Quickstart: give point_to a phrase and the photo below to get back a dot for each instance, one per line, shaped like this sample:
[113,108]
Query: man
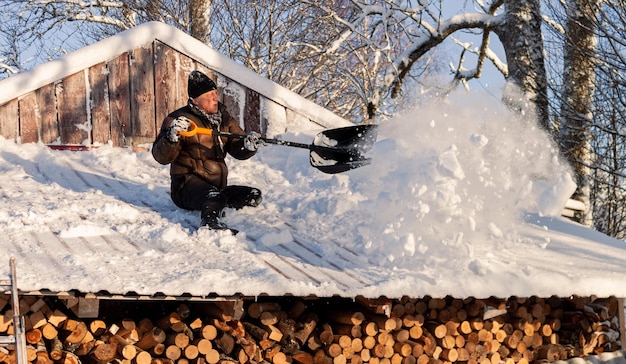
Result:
[197,167]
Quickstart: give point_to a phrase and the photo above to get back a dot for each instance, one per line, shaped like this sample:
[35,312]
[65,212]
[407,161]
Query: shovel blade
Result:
[339,150]
[332,168]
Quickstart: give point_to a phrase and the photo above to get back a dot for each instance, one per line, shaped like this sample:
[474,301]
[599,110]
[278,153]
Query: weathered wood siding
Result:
[122,101]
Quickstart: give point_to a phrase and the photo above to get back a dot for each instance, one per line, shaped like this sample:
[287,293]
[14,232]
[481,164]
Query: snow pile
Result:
[447,176]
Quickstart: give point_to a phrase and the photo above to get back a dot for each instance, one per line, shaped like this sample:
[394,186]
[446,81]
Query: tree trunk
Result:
[577,97]
[199,15]
[523,45]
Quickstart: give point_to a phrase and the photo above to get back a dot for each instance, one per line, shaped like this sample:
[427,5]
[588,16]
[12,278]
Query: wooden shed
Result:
[120,89]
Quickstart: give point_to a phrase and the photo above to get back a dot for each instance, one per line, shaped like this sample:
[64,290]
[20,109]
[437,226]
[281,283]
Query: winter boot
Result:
[254,197]
[241,196]
[212,208]
[213,223]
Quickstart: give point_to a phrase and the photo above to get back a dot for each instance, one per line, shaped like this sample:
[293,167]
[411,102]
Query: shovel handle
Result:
[194,129]
[348,154]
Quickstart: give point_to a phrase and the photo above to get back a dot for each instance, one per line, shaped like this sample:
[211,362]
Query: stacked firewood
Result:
[325,331]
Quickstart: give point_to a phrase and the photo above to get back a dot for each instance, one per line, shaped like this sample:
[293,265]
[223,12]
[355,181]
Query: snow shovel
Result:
[332,151]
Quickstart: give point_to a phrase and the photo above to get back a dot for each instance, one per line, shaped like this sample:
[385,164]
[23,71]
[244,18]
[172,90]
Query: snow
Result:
[462,198]
[617,357]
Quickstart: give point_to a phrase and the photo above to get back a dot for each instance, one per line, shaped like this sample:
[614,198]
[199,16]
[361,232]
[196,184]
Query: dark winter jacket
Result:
[202,155]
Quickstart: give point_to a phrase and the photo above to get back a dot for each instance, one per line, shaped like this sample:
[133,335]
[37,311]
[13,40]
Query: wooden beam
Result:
[621,321]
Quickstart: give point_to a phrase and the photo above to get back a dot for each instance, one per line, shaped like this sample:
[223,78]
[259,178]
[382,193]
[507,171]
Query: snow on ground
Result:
[617,357]
[461,199]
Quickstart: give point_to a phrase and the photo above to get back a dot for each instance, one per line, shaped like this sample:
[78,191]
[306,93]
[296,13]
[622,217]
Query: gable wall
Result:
[124,101]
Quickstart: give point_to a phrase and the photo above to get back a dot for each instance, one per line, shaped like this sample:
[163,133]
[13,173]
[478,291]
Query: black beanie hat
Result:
[199,83]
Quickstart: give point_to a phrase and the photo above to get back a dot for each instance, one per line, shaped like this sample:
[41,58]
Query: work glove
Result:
[252,141]
[181,123]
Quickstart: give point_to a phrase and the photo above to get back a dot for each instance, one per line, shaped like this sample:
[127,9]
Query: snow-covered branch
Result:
[421,45]
[6,68]
[101,20]
[396,36]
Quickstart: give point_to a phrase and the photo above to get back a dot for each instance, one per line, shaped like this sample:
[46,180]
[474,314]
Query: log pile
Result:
[322,331]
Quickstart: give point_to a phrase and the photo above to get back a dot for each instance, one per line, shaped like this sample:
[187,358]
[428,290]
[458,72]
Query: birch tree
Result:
[522,39]
[577,104]
[199,19]
[608,140]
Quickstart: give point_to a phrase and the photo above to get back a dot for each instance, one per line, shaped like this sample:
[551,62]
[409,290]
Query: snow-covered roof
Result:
[453,204]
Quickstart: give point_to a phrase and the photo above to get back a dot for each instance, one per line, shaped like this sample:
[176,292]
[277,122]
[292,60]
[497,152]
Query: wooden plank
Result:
[29,132]
[621,321]
[47,105]
[143,118]
[9,120]
[72,106]
[185,66]
[265,116]
[167,81]
[231,99]
[252,111]
[119,98]
[99,105]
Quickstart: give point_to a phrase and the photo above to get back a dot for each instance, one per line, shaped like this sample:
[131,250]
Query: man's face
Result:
[207,102]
